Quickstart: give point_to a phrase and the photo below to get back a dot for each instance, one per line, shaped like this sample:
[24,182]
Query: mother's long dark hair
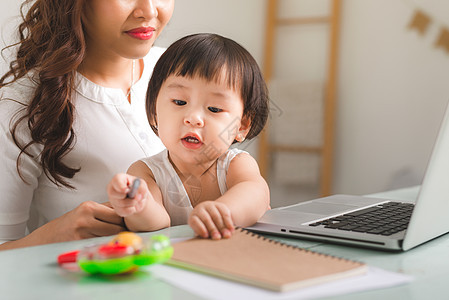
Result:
[52,44]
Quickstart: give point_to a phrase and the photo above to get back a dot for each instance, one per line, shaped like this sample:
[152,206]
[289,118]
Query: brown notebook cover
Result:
[253,259]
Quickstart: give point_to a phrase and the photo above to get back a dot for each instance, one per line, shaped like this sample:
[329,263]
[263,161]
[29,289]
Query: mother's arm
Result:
[89,219]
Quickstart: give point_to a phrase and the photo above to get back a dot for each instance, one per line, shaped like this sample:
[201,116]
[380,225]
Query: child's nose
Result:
[194,119]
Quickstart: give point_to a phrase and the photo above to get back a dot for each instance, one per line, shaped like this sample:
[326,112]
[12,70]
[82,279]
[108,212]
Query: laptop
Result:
[373,222]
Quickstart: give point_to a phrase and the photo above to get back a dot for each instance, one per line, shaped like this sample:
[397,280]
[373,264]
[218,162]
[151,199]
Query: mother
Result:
[72,114]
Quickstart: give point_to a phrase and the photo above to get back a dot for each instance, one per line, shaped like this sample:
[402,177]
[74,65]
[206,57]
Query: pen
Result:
[133,189]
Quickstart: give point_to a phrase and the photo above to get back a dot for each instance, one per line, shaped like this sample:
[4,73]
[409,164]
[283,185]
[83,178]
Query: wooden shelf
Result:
[290,148]
[325,150]
[302,21]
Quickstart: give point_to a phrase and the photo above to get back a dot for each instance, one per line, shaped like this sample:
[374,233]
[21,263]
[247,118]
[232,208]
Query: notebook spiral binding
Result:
[259,236]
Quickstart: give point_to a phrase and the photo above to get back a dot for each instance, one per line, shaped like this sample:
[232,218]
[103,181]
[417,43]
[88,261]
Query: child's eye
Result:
[214,109]
[179,102]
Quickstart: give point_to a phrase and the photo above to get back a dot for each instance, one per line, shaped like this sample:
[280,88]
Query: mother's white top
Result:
[110,132]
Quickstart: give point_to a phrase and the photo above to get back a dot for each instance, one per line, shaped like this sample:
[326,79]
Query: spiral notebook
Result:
[253,259]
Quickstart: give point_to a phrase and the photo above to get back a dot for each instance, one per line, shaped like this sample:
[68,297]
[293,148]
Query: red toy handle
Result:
[68,257]
[108,251]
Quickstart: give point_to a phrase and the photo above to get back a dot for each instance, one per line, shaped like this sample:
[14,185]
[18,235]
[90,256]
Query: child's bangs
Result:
[211,64]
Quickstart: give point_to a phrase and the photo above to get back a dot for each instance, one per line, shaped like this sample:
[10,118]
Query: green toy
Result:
[123,254]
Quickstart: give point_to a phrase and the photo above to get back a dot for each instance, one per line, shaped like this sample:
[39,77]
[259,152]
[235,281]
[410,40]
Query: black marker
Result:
[133,190]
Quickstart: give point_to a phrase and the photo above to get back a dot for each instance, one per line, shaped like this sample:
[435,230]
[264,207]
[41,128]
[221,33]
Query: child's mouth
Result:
[192,142]
[191,139]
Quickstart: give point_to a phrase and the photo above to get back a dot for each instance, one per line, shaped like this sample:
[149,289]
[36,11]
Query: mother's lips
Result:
[141,30]
[141,33]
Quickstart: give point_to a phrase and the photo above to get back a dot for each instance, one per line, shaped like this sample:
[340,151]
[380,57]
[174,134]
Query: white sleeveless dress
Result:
[174,194]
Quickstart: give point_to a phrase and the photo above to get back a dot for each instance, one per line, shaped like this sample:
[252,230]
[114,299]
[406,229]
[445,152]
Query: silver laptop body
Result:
[430,217]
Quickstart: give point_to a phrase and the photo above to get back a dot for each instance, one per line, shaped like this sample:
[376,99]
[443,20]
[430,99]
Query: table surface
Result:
[32,273]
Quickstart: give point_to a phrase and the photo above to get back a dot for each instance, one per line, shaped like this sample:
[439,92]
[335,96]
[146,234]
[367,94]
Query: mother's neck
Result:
[108,72]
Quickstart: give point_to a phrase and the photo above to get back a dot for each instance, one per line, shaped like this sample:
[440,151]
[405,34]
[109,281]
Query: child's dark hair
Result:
[207,55]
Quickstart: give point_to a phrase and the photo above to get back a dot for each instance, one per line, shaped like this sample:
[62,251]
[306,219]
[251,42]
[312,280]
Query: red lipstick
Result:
[141,33]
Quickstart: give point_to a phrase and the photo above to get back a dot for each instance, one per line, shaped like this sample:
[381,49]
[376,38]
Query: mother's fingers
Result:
[100,228]
[103,213]
[87,220]
[125,211]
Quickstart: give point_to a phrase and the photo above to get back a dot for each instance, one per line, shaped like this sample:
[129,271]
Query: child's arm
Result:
[145,212]
[246,200]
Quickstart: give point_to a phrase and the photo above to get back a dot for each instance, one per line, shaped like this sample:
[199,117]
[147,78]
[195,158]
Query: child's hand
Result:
[212,219]
[117,190]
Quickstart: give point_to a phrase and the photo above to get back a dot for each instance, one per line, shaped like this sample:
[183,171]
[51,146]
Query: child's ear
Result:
[245,126]
[153,125]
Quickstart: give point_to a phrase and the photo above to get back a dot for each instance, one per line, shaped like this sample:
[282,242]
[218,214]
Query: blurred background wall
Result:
[392,84]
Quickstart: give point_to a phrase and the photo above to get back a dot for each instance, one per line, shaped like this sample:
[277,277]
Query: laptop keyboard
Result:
[384,219]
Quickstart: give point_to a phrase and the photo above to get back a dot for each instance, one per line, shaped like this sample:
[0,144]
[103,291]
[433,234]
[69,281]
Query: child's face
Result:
[198,120]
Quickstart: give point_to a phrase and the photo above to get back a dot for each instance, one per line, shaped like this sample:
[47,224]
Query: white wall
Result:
[243,21]
[392,92]
[393,84]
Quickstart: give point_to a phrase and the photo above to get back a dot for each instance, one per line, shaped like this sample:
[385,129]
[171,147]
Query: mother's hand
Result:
[89,219]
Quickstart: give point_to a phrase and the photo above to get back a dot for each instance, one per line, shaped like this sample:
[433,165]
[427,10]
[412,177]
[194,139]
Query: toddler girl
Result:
[206,93]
